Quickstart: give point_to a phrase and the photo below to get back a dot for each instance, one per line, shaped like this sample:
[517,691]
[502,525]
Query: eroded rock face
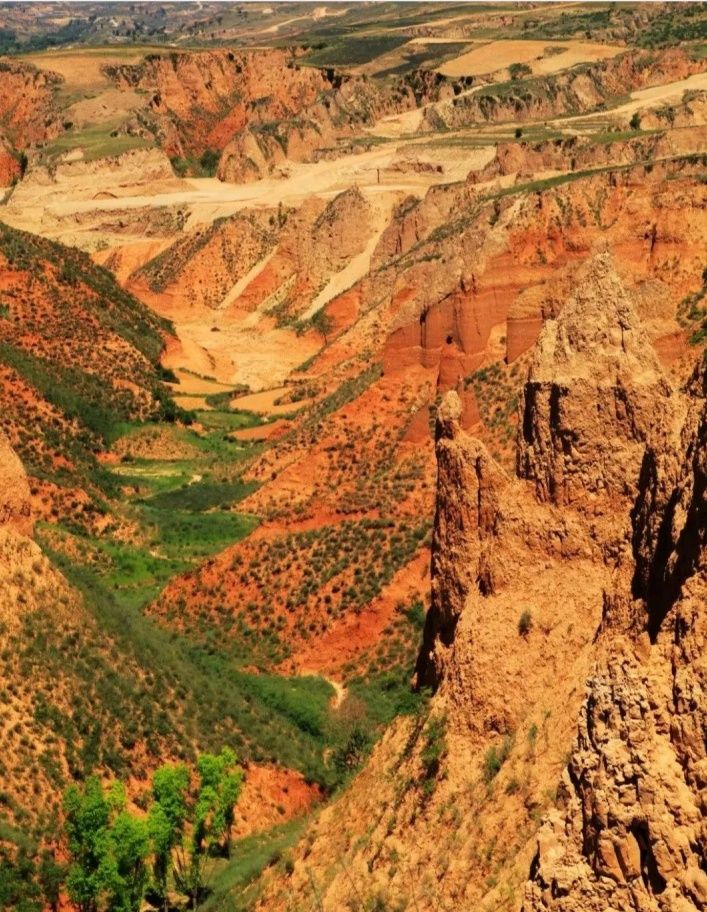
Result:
[595,395]
[15,510]
[468,485]
[10,170]
[670,517]
[611,506]
[631,829]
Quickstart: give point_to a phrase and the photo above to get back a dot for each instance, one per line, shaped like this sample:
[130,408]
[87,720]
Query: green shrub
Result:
[525,623]
[496,757]
[519,70]
[434,747]
[209,162]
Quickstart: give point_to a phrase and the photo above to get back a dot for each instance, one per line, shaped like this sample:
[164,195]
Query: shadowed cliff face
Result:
[594,401]
[604,437]
[630,830]
[670,522]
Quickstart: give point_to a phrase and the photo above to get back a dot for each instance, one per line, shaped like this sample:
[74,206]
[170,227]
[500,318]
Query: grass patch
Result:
[203,495]
[353,51]
[257,715]
[234,885]
[96,141]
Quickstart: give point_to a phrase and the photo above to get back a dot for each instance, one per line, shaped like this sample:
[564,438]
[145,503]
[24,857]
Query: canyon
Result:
[353,383]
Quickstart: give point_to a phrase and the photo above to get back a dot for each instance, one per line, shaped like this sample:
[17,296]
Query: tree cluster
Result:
[118,859]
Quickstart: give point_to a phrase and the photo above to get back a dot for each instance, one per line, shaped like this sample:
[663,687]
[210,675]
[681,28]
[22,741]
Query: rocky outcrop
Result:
[256,108]
[10,170]
[27,109]
[605,437]
[595,395]
[312,131]
[630,833]
[583,88]
[468,486]
[670,521]
[15,506]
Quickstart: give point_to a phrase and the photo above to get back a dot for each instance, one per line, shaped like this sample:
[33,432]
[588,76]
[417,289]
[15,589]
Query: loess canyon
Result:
[353,457]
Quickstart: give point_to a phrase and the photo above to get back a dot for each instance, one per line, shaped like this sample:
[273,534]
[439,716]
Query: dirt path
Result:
[209,198]
[340,691]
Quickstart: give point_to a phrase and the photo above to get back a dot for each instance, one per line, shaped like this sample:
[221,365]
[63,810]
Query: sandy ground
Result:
[191,385]
[208,198]
[258,357]
[107,107]
[499,54]
[82,70]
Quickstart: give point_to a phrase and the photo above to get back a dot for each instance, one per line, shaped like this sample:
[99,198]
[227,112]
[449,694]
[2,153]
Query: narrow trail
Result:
[340,691]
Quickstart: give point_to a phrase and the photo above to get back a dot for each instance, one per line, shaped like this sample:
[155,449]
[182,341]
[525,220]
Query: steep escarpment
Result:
[629,829]
[10,164]
[576,153]
[28,114]
[509,258]
[200,99]
[253,108]
[328,126]
[594,392]
[594,398]
[533,583]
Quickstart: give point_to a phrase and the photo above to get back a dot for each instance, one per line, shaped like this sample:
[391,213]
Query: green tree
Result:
[18,887]
[167,819]
[220,784]
[130,846]
[108,848]
[322,323]
[91,875]
[191,821]
[519,70]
